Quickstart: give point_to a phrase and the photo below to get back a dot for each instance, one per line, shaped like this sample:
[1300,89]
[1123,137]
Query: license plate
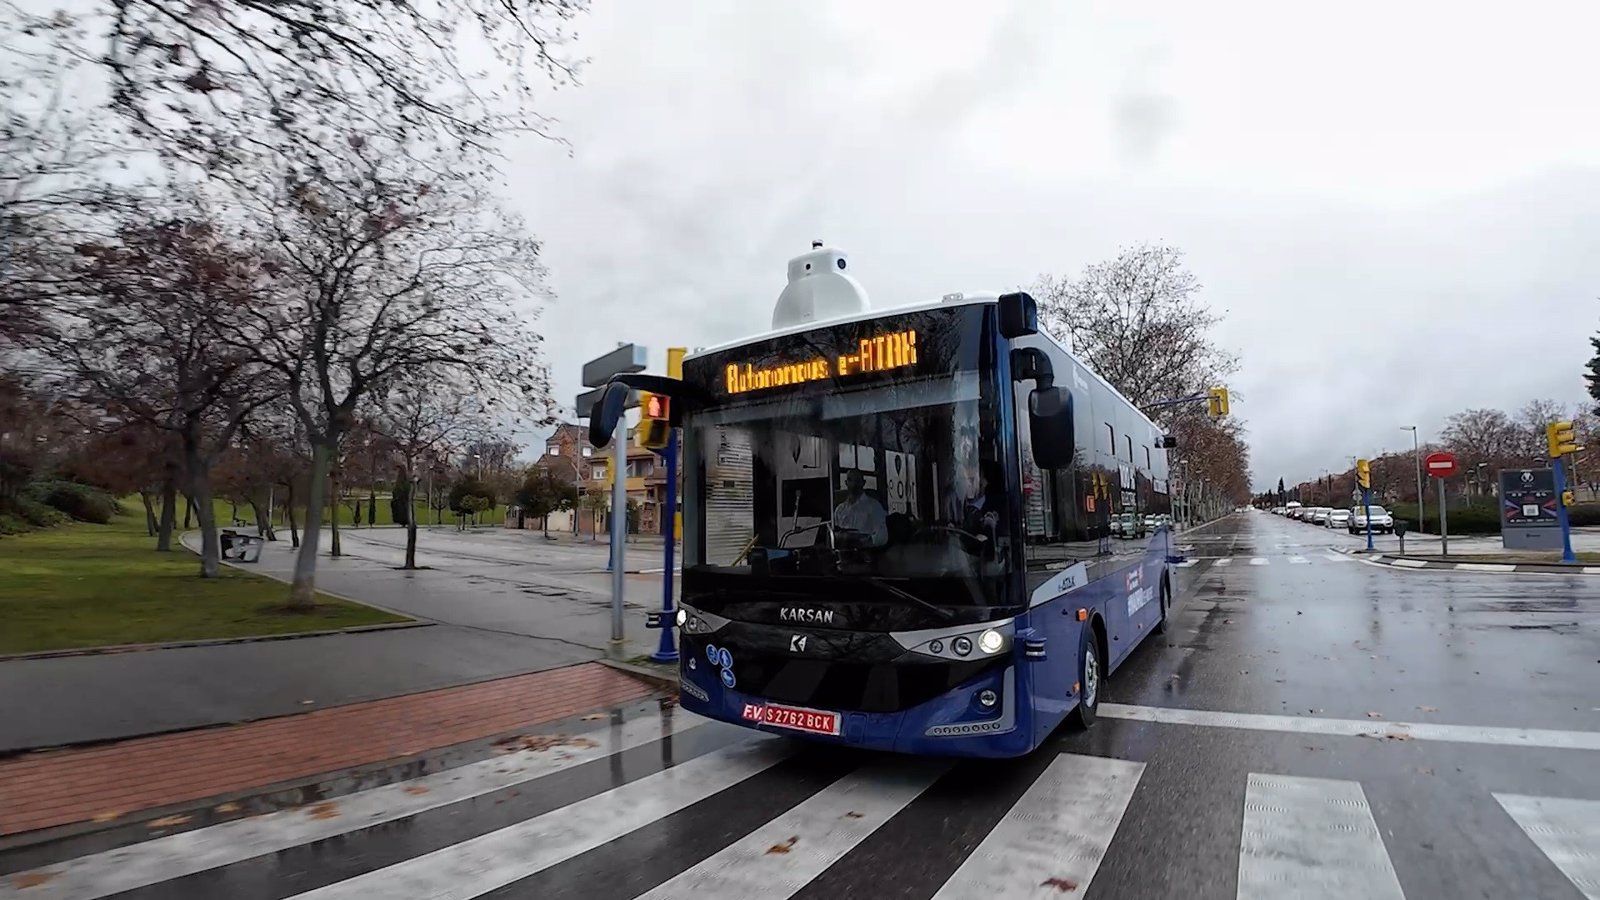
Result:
[793,717]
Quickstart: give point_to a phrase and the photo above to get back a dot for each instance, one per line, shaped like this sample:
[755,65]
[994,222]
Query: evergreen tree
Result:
[1593,375]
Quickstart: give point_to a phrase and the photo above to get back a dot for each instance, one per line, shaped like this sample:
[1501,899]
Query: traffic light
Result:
[1562,439]
[1217,402]
[1364,473]
[1567,499]
[655,429]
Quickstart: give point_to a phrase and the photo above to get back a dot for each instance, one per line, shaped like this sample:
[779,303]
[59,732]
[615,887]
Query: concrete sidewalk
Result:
[500,602]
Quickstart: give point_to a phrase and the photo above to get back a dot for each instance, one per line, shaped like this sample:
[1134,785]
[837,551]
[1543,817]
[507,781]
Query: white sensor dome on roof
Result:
[819,288]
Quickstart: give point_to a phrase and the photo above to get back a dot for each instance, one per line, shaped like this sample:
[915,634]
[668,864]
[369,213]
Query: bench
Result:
[241,547]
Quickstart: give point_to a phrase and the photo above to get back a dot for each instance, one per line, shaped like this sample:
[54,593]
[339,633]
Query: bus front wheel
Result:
[1090,678]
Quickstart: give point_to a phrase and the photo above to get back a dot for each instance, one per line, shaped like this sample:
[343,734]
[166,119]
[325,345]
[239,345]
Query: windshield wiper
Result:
[909,597]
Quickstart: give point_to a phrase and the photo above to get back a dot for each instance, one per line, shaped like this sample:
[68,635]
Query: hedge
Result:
[1481,519]
[80,501]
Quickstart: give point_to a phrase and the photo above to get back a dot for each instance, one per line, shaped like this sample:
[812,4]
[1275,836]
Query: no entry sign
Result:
[1441,464]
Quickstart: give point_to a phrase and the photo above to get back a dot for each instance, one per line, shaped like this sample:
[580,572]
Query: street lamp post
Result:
[1416,452]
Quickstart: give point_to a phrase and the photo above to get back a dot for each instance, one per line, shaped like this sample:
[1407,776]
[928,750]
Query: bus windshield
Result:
[895,479]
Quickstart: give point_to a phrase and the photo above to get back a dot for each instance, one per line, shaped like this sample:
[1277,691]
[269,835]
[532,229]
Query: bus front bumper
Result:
[955,723]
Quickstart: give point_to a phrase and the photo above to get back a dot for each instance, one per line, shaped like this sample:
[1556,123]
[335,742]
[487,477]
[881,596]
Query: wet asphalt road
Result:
[1504,804]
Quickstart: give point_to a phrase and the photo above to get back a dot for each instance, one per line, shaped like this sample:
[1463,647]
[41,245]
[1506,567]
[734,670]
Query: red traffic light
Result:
[658,407]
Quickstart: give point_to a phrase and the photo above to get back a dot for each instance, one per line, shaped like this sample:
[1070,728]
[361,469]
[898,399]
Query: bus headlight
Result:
[990,641]
[682,617]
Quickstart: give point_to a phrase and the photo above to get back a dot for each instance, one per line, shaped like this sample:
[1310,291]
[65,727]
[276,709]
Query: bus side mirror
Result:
[1019,315]
[1168,442]
[1050,427]
[606,412]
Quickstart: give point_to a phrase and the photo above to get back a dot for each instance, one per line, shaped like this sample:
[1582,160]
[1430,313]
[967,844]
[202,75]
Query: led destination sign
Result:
[882,353]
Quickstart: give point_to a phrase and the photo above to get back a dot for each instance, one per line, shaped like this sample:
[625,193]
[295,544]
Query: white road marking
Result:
[1568,831]
[1420,731]
[1186,563]
[1223,561]
[1486,567]
[1051,842]
[1311,838]
[1258,560]
[1410,563]
[1591,570]
[178,855]
[482,864]
[813,835]
[1299,560]
[1335,557]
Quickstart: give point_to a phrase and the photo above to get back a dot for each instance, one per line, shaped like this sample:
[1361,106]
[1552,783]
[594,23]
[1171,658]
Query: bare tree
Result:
[146,337]
[425,418]
[389,268]
[1530,424]
[1482,436]
[1140,322]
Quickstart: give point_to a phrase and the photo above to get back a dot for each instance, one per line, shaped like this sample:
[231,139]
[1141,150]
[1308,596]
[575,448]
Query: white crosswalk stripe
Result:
[1053,839]
[1299,560]
[1258,560]
[501,857]
[1311,838]
[1224,561]
[1568,831]
[812,836]
[1187,563]
[175,856]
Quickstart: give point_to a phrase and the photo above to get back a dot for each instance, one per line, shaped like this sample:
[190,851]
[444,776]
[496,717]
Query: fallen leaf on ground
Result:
[229,807]
[307,702]
[31,879]
[1374,715]
[167,821]
[1061,884]
[852,814]
[591,718]
[540,742]
[785,846]
[1428,708]
[324,810]
[107,816]
[416,789]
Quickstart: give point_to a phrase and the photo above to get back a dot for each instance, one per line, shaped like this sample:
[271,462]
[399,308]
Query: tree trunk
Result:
[205,511]
[303,591]
[334,550]
[150,525]
[263,519]
[188,511]
[169,513]
[411,533]
[372,507]
[288,511]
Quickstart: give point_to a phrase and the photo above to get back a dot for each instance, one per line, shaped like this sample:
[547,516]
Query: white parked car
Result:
[1319,515]
[1382,521]
[1339,518]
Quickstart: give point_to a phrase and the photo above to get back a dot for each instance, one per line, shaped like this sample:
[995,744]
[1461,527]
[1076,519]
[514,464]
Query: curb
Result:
[658,677]
[209,642]
[1414,563]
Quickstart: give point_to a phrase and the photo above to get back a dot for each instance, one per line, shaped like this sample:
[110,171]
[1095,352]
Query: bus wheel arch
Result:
[1090,684]
[1166,603]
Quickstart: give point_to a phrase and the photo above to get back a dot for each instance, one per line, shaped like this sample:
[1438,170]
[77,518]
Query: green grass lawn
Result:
[95,585]
[425,516]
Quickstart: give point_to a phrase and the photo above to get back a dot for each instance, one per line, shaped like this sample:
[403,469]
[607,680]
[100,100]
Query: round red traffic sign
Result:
[1441,464]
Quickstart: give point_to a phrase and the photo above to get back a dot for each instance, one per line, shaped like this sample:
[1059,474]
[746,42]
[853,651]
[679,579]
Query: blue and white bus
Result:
[929,529]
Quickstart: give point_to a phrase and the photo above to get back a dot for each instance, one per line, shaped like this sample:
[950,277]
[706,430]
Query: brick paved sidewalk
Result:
[106,782]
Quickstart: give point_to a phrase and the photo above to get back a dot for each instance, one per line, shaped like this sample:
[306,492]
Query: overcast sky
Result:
[1396,204]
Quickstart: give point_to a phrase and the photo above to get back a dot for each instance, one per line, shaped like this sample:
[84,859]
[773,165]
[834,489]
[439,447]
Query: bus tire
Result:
[1091,679]
[1166,605]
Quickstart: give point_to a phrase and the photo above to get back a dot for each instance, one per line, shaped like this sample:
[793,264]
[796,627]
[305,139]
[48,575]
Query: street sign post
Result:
[1563,439]
[1442,465]
[596,372]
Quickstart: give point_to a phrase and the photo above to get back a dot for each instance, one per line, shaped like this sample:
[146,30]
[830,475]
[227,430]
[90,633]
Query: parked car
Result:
[1127,525]
[1382,521]
[1295,511]
[1339,518]
[1319,515]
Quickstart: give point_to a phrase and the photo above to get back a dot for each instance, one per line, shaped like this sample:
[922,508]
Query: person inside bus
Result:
[859,520]
[980,514]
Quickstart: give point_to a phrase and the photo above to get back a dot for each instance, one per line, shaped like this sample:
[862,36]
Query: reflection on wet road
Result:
[1309,726]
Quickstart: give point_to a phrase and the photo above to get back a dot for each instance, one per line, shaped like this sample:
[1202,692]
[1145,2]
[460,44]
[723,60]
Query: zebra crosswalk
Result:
[803,812]
[1297,559]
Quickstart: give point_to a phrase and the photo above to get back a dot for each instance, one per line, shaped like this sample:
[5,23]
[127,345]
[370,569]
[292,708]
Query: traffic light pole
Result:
[667,650]
[1366,507]
[619,530]
[1567,556]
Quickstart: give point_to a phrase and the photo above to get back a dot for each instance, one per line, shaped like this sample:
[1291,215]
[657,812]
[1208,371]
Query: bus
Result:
[898,527]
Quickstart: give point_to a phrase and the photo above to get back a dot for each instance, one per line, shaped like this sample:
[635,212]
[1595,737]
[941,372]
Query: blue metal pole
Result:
[1366,507]
[1561,512]
[668,649]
